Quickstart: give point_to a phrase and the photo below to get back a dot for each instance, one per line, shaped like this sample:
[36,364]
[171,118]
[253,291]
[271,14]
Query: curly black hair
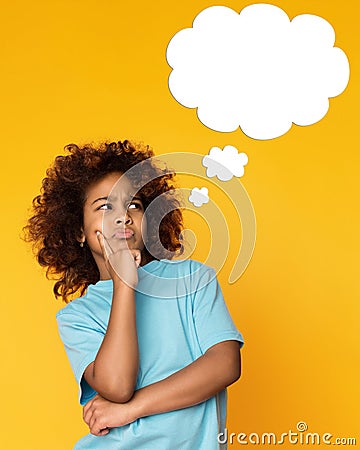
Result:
[55,225]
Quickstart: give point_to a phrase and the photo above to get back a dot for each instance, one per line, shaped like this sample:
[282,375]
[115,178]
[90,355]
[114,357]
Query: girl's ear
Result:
[81,237]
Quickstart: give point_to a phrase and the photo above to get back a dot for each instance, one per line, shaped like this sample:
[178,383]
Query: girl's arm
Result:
[114,372]
[219,367]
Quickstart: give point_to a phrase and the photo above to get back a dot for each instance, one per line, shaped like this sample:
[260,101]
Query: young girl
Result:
[149,338]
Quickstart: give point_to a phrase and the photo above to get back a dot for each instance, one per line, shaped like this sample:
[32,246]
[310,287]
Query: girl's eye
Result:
[134,205]
[105,206]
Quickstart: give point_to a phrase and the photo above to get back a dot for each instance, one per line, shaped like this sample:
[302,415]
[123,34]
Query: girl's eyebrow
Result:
[100,198]
[111,198]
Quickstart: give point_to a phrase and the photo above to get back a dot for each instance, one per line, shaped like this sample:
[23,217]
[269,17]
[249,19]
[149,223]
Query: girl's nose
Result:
[126,219]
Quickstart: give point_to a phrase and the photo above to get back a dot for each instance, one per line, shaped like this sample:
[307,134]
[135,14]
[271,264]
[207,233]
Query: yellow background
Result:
[80,71]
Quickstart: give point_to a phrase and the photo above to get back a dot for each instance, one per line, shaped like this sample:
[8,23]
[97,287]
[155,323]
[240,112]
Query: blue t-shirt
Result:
[180,314]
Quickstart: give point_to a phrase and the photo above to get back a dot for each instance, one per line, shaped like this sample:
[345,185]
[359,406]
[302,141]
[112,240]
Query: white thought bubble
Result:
[256,70]
[199,196]
[226,163]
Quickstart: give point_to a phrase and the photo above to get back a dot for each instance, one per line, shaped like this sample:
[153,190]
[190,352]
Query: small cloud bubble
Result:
[198,197]
[225,164]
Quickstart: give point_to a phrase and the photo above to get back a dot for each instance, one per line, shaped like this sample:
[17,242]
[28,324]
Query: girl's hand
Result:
[121,262]
[100,415]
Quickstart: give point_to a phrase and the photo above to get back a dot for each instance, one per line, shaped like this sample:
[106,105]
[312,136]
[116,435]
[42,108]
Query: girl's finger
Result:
[104,245]
[87,416]
[101,243]
[108,247]
[104,431]
[92,422]
[86,408]
[96,430]
[99,433]
[137,257]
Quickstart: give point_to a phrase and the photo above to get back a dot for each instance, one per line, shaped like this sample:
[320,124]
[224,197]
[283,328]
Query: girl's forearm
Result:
[216,369]
[114,372]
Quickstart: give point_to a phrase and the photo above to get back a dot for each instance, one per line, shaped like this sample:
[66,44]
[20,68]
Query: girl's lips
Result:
[123,234]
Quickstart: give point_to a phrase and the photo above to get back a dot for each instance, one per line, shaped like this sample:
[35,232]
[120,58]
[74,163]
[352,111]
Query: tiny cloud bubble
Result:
[257,70]
[225,164]
[199,196]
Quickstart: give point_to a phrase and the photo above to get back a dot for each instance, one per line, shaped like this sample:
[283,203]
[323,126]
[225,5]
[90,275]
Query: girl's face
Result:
[111,209]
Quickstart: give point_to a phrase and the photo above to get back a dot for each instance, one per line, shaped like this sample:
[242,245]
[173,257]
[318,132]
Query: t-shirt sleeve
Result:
[82,342]
[213,322]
